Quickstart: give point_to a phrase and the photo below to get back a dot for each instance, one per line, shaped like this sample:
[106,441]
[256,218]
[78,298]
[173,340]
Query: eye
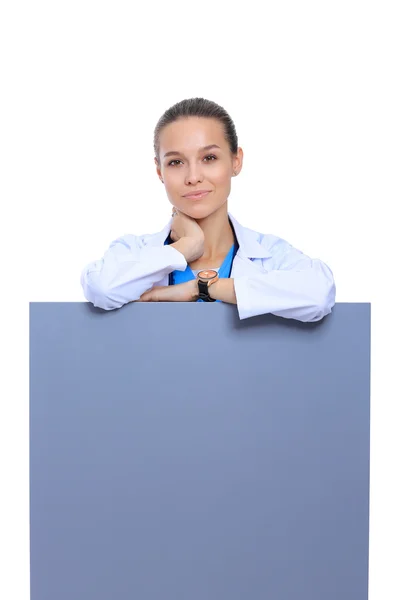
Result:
[176,160]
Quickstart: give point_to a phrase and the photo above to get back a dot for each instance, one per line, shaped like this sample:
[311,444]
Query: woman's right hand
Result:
[188,236]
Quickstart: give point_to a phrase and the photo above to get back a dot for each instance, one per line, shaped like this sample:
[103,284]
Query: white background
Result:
[313,88]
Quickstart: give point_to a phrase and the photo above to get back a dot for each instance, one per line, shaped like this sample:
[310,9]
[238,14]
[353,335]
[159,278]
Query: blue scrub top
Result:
[224,271]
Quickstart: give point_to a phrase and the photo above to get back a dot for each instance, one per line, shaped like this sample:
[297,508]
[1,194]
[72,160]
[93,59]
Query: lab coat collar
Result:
[248,240]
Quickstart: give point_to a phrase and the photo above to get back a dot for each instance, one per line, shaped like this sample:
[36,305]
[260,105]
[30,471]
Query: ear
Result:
[158,170]
[238,161]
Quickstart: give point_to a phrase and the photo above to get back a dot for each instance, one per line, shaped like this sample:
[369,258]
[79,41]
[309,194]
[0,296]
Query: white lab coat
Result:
[270,275]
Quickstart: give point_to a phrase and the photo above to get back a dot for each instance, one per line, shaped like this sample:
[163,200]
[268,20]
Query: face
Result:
[189,167]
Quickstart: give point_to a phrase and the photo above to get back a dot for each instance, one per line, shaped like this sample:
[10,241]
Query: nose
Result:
[194,175]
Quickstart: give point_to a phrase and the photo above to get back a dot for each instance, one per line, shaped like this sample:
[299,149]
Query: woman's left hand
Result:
[182,292]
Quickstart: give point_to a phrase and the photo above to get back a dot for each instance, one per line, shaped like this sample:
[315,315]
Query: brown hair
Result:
[197,107]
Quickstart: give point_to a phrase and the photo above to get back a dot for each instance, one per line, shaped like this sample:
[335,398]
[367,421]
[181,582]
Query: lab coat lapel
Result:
[250,249]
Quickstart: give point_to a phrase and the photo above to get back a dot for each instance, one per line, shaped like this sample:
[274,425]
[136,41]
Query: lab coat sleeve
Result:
[296,287]
[127,270]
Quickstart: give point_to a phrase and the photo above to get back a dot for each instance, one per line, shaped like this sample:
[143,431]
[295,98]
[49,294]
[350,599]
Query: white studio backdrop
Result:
[313,88]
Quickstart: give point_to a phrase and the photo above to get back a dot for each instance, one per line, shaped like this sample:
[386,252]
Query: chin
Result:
[198,210]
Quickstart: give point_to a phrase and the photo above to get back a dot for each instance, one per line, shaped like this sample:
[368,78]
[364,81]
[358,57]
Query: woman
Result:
[203,254]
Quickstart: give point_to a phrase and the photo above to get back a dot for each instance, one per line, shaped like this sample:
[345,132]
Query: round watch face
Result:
[207,275]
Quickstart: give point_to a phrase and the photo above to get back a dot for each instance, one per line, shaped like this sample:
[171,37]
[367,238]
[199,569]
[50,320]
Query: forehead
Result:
[191,133]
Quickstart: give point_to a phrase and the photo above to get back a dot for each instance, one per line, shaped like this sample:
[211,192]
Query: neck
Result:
[218,234]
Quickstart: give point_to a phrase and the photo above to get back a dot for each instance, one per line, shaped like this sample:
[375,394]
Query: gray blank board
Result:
[178,453]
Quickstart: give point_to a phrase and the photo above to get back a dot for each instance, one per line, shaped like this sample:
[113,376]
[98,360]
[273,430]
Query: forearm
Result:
[223,290]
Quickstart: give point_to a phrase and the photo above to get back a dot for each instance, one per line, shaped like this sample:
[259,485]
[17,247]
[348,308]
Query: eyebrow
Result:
[200,150]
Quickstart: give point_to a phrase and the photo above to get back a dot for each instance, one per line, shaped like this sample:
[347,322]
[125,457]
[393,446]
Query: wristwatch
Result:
[204,280]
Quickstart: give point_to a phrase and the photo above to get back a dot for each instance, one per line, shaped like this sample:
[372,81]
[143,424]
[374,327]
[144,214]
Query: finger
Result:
[145,297]
[151,295]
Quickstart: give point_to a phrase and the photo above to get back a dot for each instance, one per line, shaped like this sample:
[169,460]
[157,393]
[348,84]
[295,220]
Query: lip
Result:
[198,194]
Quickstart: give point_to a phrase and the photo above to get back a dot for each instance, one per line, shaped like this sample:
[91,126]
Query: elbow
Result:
[96,292]
[318,313]
[103,299]
[324,303]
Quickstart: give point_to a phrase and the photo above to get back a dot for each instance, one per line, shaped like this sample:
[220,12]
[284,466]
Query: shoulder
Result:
[273,251]
[131,240]
[273,244]
[253,239]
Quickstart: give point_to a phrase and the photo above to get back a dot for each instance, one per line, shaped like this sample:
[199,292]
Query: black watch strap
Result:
[204,293]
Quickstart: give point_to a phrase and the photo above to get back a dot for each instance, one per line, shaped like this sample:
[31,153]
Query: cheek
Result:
[222,176]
